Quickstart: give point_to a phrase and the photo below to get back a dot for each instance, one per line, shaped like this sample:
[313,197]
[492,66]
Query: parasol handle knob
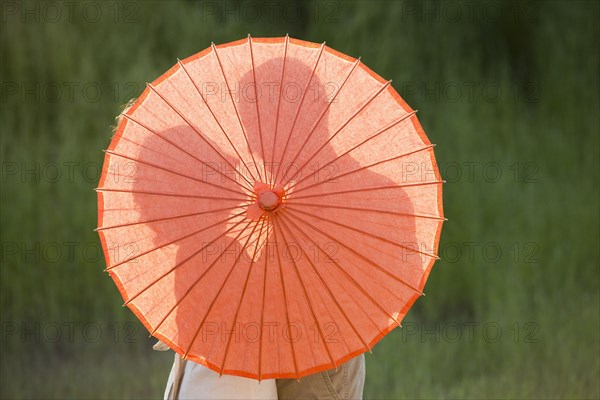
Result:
[268,200]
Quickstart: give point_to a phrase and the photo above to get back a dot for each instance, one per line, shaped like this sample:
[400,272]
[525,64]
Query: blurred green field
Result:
[511,101]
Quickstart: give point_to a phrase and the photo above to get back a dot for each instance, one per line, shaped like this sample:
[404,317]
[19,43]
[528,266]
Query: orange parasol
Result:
[270,208]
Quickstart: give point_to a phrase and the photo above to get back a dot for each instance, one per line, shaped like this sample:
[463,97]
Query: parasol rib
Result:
[316,123]
[376,282]
[396,122]
[143,192]
[278,104]
[182,65]
[149,221]
[383,310]
[323,205]
[307,297]
[154,90]
[323,281]
[379,267]
[285,300]
[243,293]
[260,136]
[222,284]
[262,313]
[385,85]
[321,218]
[373,188]
[364,167]
[174,172]
[174,241]
[298,109]
[193,285]
[180,263]
[383,287]
[214,48]
[130,118]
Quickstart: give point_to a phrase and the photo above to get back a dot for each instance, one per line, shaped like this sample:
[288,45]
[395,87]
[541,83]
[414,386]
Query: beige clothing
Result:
[345,383]
[189,380]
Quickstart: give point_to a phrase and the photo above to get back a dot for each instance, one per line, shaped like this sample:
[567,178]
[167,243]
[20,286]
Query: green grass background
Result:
[542,292]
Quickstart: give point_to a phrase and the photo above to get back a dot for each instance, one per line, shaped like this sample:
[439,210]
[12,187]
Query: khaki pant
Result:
[344,384]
